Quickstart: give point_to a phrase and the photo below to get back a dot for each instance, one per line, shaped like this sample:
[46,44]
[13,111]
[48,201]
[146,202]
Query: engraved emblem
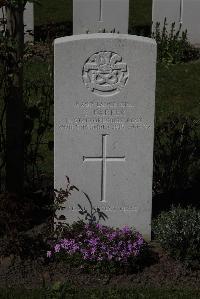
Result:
[105,73]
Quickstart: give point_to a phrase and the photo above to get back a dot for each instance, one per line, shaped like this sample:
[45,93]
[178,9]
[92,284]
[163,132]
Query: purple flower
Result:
[85,256]
[126,230]
[94,241]
[49,253]
[99,226]
[130,247]
[101,243]
[110,257]
[103,247]
[89,233]
[112,236]
[57,248]
[93,250]
[140,241]
[99,258]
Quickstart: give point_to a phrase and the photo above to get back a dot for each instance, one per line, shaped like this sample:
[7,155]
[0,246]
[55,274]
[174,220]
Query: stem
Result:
[15,104]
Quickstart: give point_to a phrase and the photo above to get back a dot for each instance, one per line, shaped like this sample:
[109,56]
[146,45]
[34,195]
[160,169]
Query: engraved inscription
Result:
[105,73]
[108,208]
[181,12]
[104,116]
[100,11]
[104,159]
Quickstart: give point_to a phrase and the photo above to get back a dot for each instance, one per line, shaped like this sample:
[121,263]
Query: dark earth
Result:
[30,273]
[23,261]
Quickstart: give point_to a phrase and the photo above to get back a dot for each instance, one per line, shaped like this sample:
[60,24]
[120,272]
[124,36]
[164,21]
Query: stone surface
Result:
[28,21]
[90,16]
[191,19]
[104,125]
[169,9]
[182,12]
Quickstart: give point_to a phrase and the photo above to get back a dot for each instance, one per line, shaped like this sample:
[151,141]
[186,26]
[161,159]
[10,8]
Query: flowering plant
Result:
[97,244]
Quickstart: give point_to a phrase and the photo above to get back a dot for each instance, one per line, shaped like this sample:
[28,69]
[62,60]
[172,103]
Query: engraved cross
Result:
[100,10]
[181,12]
[104,159]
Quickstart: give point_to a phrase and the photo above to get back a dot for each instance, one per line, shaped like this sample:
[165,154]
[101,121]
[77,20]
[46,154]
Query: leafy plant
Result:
[176,154]
[94,215]
[173,46]
[37,124]
[21,231]
[178,231]
[61,196]
[37,107]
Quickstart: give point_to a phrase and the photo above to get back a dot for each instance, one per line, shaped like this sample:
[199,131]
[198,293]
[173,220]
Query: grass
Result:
[111,293]
[178,89]
[51,11]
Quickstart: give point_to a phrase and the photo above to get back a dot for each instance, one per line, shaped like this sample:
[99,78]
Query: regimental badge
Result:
[105,73]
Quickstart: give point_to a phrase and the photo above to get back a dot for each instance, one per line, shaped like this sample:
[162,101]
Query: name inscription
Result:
[102,116]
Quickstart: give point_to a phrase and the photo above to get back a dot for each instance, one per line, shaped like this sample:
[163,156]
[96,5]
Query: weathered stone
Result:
[104,125]
[169,9]
[184,13]
[191,20]
[92,16]
[28,21]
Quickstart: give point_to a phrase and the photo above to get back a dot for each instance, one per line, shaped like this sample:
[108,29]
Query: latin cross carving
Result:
[104,159]
[181,12]
[100,10]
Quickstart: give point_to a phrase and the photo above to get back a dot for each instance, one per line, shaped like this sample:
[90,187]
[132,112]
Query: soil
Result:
[164,272]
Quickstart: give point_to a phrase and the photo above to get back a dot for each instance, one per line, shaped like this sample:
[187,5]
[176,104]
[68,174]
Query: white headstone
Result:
[104,125]
[90,16]
[28,21]
[191,20]
[183,12]
[169,9]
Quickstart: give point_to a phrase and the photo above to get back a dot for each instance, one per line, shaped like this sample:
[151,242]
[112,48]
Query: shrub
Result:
[176,154]
[173,46]
[178,231]
[100,247]
[25,224]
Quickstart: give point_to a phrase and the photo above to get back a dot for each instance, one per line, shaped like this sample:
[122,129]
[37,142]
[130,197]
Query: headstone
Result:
[104,125]
[169,9]
[183,12]
[90,16]
[28,21]
[191,20]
